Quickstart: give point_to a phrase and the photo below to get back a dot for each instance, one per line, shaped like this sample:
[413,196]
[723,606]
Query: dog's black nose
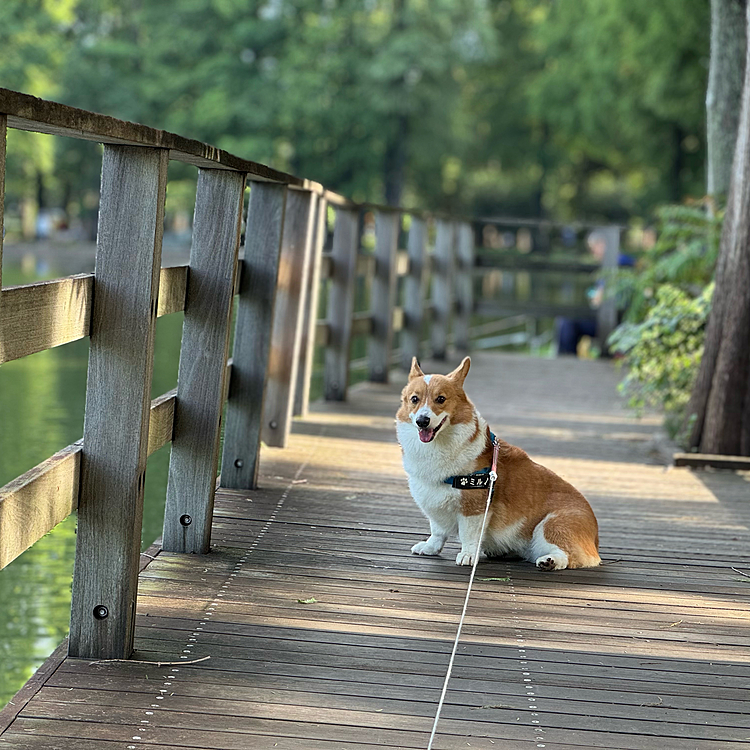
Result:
[423,422]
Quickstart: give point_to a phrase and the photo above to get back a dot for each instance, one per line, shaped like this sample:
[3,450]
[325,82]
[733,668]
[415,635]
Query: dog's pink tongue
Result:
[426,435]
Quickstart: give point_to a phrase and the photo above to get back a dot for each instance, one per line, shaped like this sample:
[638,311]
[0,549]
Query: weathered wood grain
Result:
[203,356]
[48,493]
[172,290]
[442,287]
[310,313]
[341,303]
[40,116]
[414,292]
[252,339]
[383,295]
[647,651]
[161,421]
[3,130]
[704,460]
[464,292]
[113,465]
[39,316]
[34,503]
[291,300]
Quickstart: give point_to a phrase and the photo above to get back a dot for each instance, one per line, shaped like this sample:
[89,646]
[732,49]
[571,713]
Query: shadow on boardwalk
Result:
[324,632]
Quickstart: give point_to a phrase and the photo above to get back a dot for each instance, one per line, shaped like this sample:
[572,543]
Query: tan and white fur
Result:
[534,513]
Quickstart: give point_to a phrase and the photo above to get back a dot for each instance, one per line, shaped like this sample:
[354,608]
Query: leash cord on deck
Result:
[493,478]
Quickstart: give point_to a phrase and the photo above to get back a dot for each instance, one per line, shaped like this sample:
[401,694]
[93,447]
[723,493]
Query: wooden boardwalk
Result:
[323,632]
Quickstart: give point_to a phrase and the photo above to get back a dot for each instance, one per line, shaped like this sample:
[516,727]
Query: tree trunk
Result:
[720,402]
[726,71]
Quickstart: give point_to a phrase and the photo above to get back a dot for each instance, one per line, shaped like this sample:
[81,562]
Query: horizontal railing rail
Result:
[303,251]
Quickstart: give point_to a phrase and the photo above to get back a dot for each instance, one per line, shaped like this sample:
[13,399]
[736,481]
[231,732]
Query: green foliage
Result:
[593,108]
[662,353]
[669,295]
[683,256]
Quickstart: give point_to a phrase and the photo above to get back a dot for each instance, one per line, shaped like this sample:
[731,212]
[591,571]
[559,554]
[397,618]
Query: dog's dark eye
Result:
[440,399]
[415,399]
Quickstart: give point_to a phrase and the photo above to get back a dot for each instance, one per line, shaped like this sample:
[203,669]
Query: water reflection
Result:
[42,400]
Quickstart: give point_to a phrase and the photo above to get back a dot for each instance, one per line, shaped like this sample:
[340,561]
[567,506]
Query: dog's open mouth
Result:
[428,435]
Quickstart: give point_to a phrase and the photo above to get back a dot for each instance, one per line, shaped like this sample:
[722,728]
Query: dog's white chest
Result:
[428,464]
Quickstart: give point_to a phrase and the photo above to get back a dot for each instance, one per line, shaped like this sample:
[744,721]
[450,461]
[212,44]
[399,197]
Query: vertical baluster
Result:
[442,297]
[291,293]
[341,302]
[252,338]
[115,435]
[414,292]
[203,356]
[606,315]
[310,317]
[464,291]
[383,294]
[3,130]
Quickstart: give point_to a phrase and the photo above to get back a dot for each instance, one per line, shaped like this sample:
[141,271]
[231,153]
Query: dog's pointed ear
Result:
[416,370]
[460,373]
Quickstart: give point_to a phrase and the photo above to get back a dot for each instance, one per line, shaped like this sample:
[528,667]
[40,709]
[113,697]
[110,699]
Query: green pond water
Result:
[42,399]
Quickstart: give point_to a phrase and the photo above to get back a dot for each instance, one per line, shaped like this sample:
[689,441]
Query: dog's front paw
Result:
[428,547]
[552,562]
[464,557]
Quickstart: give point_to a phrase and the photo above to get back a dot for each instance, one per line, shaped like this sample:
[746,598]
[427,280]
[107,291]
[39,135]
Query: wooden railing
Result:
[276,286]
[301,240]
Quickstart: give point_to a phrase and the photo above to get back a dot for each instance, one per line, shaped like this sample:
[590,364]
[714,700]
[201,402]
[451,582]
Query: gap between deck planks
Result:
[648,651]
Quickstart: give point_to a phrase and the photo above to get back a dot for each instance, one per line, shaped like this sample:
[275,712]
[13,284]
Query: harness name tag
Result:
[471,482]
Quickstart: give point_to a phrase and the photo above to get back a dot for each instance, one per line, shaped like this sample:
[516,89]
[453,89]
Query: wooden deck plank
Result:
[648,651]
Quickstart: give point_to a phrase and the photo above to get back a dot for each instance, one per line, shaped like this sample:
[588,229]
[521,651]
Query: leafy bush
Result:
[684,255]
[667,302]
[663,353]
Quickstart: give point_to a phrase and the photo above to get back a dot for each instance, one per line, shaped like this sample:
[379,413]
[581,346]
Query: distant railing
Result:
[301,241]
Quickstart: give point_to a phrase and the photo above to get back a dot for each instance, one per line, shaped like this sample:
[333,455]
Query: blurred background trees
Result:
[529,107]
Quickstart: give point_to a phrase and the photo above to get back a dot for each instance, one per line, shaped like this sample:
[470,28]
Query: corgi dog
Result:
[445,443]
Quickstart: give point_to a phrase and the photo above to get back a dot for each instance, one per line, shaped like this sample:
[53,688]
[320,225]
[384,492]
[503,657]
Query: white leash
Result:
[493,479]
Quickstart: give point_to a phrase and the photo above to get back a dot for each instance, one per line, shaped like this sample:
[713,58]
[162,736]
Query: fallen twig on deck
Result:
[153,663]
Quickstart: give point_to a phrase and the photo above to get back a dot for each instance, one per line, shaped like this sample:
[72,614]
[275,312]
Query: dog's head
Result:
[434,402]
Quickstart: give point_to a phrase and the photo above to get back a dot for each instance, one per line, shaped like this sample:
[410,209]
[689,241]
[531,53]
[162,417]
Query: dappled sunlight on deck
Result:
[323,632]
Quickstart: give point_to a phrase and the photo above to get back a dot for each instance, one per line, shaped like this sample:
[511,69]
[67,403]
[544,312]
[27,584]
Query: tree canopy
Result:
[534,107]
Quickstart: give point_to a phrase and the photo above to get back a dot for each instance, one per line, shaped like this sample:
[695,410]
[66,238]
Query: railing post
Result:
[291,293]
[383,294]
[310,315]
[203,357]
[252,338]
[414,292]
[115,433]
[442,297]
[464,290]
[606,315]
[341,302]
[3,130]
